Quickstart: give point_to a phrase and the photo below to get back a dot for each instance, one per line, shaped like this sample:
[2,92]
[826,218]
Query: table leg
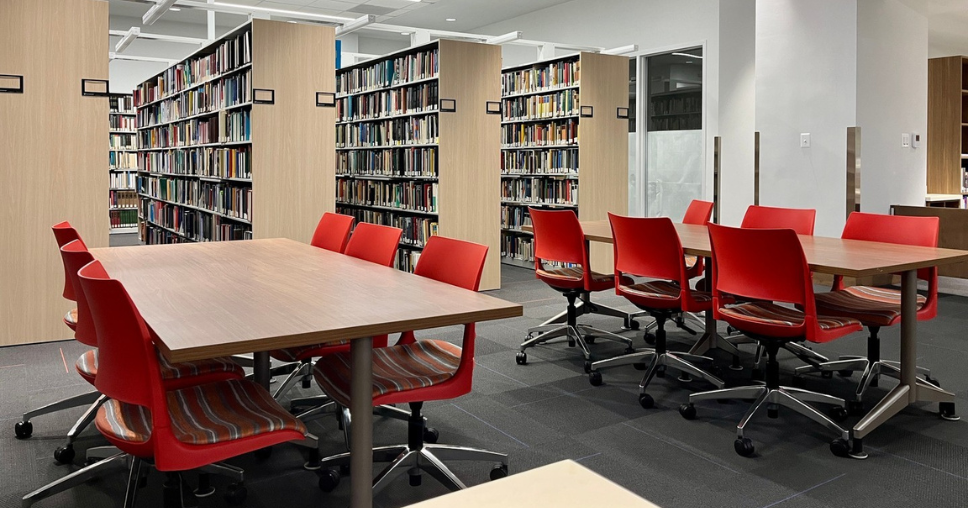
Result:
[711,339]
[260,367]
[361,407]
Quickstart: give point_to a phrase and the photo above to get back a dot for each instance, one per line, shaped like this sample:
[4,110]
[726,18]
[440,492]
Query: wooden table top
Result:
[835,256]
[562,484]
[216,299]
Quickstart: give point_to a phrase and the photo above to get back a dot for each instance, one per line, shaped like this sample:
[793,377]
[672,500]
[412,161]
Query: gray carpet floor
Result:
[547,411]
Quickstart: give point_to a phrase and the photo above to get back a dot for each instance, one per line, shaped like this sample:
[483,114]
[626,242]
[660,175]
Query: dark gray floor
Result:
[547,411]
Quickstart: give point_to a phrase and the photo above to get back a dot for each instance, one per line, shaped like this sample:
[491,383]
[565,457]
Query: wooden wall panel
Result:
[603,149]
[944,125]
[469,201]
[293,141]
[53,151]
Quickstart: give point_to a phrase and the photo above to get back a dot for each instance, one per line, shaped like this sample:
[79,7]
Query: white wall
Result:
[806,82]
[892,95]
[737,103]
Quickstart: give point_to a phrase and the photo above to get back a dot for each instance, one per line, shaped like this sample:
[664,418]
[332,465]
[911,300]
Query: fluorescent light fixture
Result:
[157,11]
[404,33]
[501,39]
[621,50]
[451,19]
[356,24]
[127,39]
[687,54]
[174,9]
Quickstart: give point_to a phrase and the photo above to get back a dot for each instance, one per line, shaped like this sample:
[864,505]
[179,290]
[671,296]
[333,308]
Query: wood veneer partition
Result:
[52,155]
[947,124]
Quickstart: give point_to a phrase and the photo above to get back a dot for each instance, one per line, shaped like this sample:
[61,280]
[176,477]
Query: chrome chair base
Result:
[872,371]
[578,335]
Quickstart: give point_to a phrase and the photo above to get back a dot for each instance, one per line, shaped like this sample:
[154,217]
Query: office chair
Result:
[415,371]
[766,270]
[560,244]
[173,431]
[698,213]
[333,232]
[650,248]
[876,307]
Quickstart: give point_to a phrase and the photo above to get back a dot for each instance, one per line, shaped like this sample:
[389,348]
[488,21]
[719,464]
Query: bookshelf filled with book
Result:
[416,148]
[122,164]
[229,138]
[562,131]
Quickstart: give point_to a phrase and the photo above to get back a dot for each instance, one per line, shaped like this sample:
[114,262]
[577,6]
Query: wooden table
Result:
[209,300]
[851,258]
[563,484]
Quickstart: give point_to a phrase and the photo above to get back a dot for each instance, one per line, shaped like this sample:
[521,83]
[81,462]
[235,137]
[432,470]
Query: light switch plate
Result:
[804,140]
[905,140]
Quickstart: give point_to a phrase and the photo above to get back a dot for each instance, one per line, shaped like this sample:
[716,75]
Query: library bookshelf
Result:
[417,149]
[122,164]
[234,142]
[564,128]
[947,171]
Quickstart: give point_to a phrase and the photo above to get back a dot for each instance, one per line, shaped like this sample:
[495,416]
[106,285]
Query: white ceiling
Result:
[947,26]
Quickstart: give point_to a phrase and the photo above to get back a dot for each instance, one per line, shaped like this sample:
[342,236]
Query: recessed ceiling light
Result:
[291,21]
[176,9]
[404,33]
[451,19]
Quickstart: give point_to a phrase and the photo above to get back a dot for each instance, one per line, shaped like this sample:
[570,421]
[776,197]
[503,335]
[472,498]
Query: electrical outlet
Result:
[804,140]
[905,140]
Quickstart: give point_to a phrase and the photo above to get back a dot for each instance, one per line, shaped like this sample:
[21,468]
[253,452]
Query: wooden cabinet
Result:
[947,125]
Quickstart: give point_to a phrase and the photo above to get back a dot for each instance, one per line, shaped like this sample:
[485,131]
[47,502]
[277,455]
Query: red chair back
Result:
[761,264]
[333,232]
[558,237]
[647,247]
[64,234]
[699,212]
[768,217]
[374,243]
[455,262]
[75,256]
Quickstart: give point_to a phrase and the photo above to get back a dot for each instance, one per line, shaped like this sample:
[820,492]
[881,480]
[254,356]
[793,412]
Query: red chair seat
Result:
[70,319]
[398,368]
[662,290]
[571,278]
[872,306]
[86,366]
[770,319]
[203,415]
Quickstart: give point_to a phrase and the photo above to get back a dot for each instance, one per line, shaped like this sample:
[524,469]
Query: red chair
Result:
[414,371]
[179,430]
[374,243]
[699,212]
[800,220]
[561,262]
[333,232]
[64,233]
[876,307]
[767,270]
[650,248]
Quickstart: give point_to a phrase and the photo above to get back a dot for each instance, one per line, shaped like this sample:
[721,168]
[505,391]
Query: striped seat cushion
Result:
[691,261]
[395,369]
[573,273]
[201,415]
[70,319]
[768,313]
[87,365]
[295,354]
[662,290]
[872,306]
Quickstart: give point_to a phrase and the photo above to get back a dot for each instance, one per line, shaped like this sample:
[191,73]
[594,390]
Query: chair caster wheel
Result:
[744,447]
[772,413]
[64,454]
[838,414]
[840,447]
[660,371]
[307,384]
[629,350]
[499,471]
[430,435]
[589,339]
[947,411]
[631,324]
[826,374]
[236,494]
[797,382]
[415,477]
[328,480]
[649,338]
[933,381]
[587,366]
[521,358]
[595,378]
[688,411]
[845,373]
[639,366]
[855,407]
[646,401]
[23,430]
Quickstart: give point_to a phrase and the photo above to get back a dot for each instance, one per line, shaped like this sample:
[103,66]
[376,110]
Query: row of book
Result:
[234,126]
[212,162]
[676,104]
[121,105]
[123,180]
[407,260]
[123,218]
[541,77]
[540,191]
[123,199]
[410,161]
[192,225]
[418,98]
[229,55]
[123,160]
[121,141]
[122,123]
[675,123]
[400,70]
[514,217]
[414,130]
[229,200]
[416,196]
[157,236]
[533,107]
[517,247]
[416,230]
[540,134]
[537,162]
[232,91]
